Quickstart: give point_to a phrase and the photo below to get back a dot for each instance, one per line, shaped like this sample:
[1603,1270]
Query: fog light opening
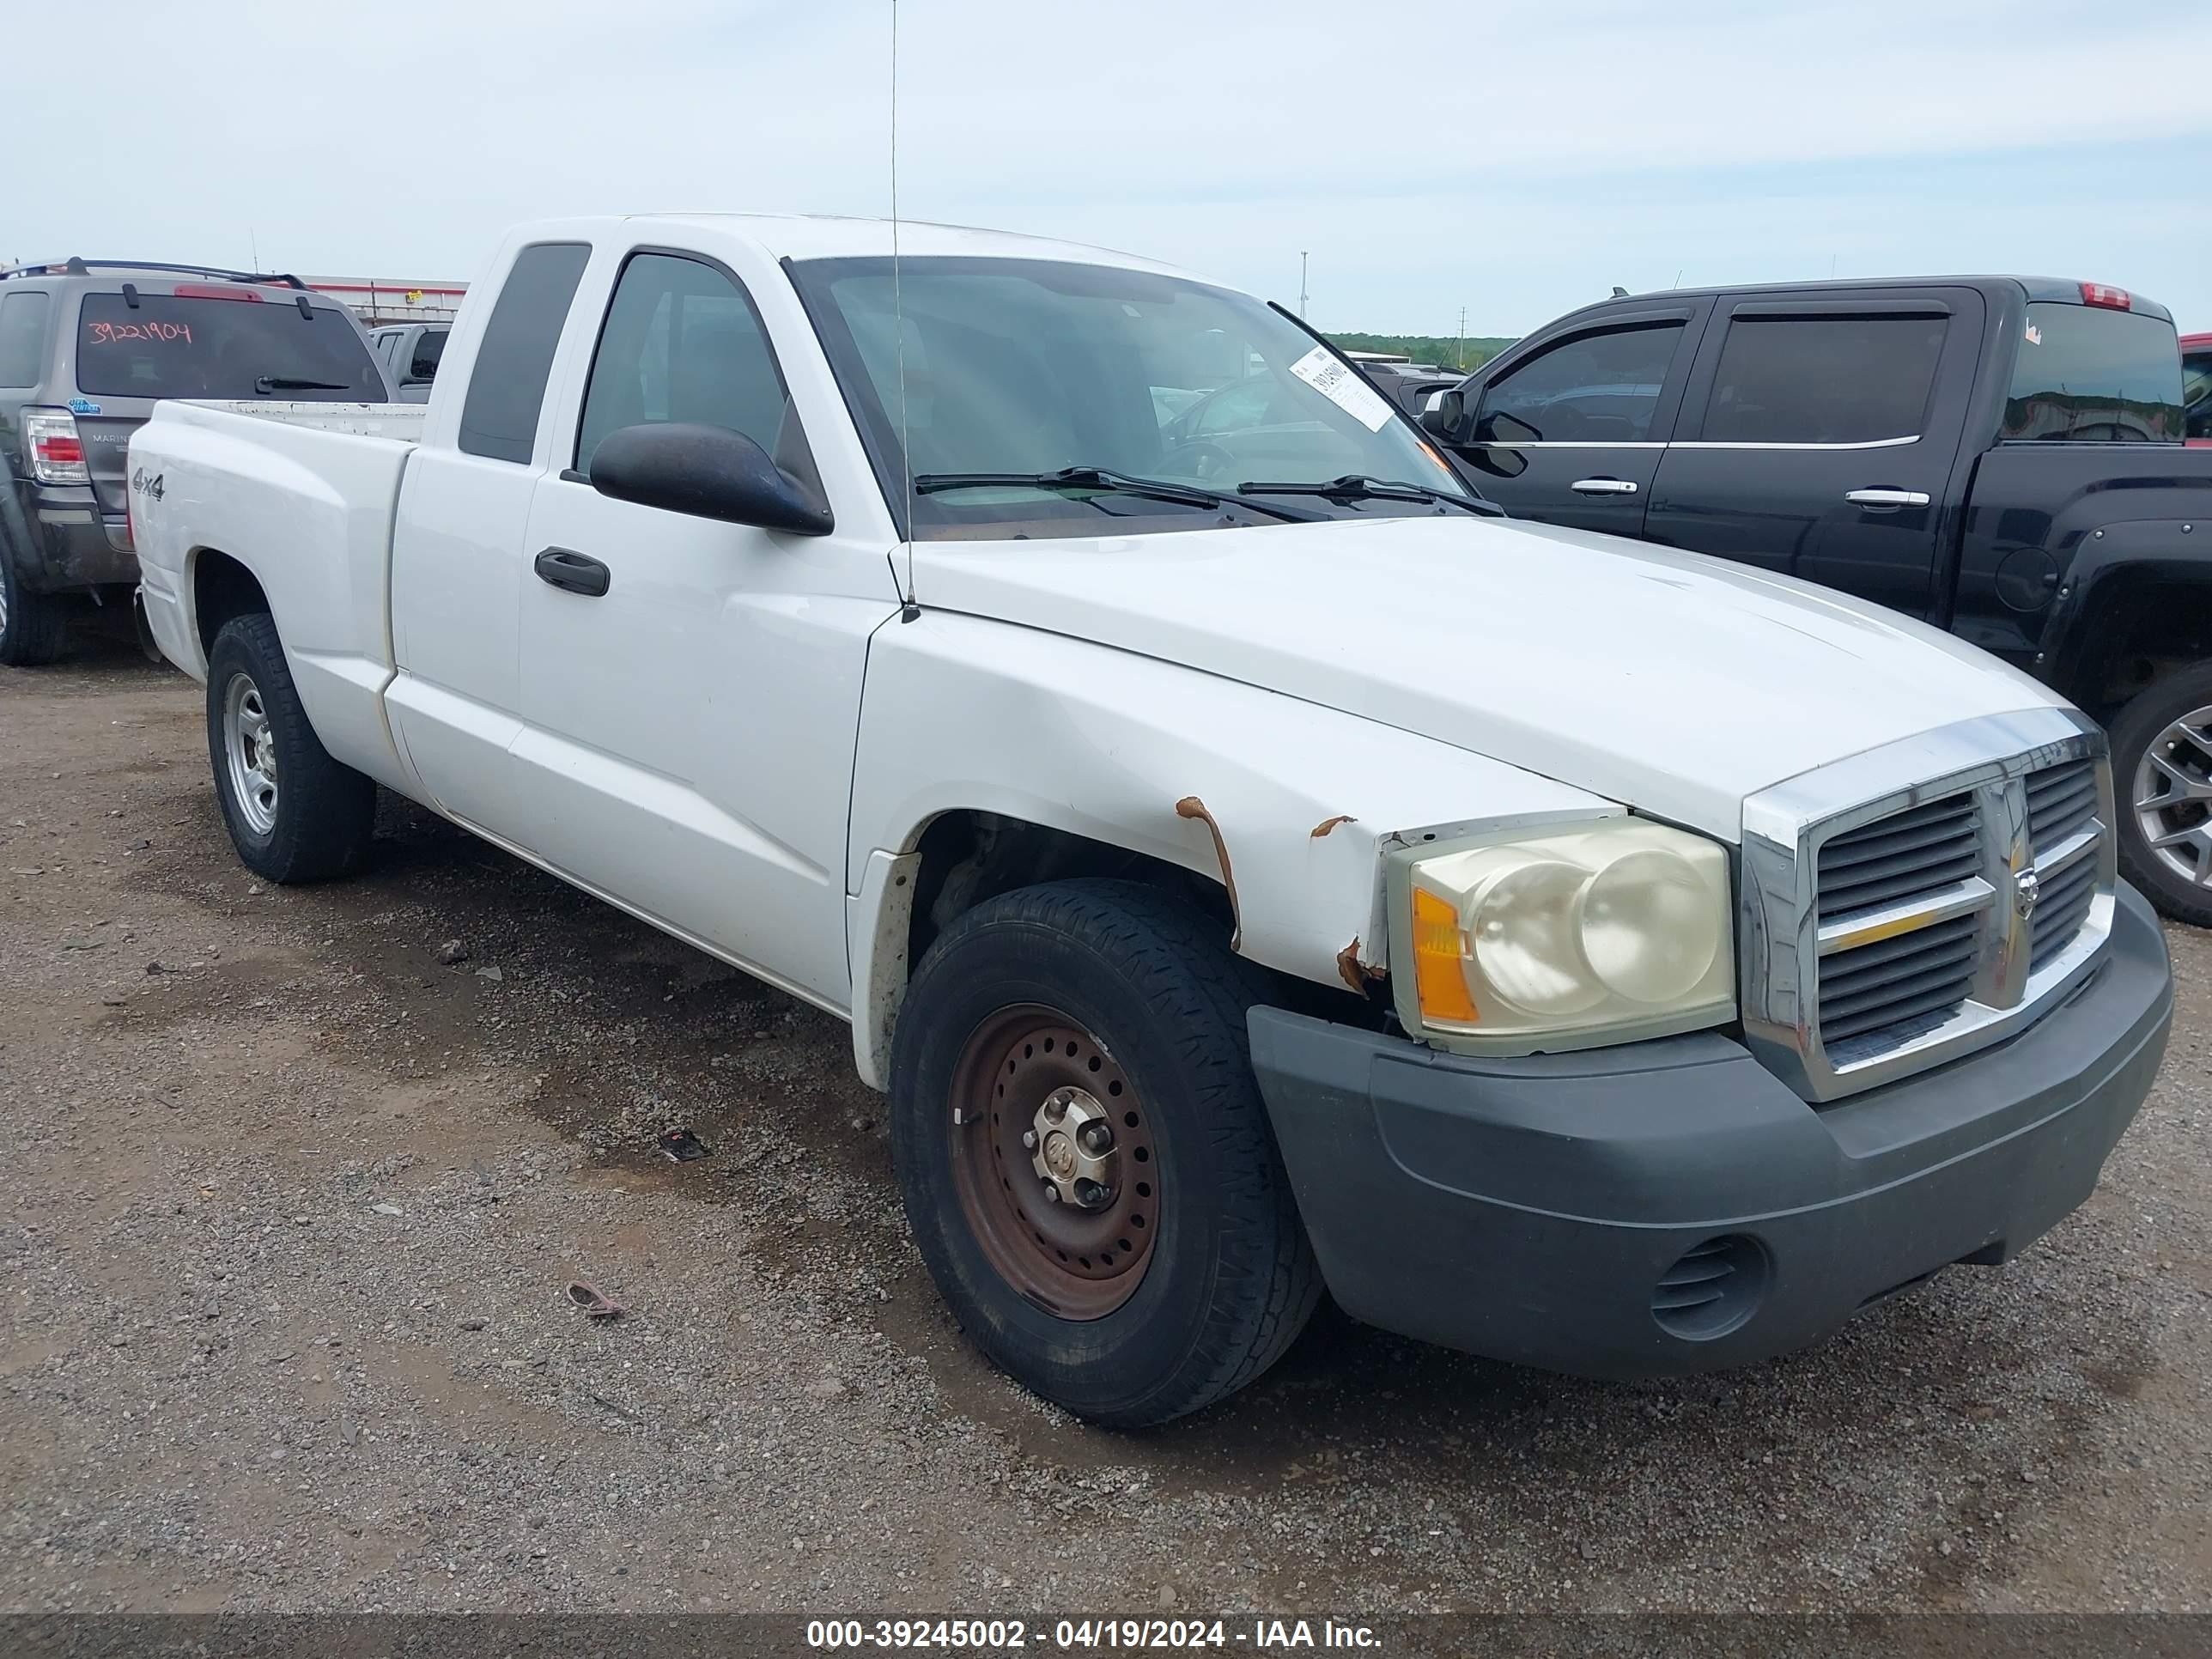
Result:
[1712,1289]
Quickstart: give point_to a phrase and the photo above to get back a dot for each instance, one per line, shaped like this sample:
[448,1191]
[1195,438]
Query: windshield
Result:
[2094,374]
[186,346]
[1032,366]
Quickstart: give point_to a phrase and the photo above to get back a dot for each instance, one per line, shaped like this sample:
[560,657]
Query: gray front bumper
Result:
[1670,1207]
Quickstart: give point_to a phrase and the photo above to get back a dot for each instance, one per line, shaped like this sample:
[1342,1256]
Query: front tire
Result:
[2162,786]
[1166,1268]
[33,627]
[294,813]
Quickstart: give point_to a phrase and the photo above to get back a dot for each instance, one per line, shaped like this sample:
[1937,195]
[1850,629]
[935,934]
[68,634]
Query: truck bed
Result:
[305,493]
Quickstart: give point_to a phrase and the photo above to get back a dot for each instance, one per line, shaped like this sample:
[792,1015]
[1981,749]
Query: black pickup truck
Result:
[2000,456]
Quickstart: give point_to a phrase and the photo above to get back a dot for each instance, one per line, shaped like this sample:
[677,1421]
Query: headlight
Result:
[1562,937]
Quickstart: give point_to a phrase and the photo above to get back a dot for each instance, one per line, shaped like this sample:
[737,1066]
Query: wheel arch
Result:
[991,757]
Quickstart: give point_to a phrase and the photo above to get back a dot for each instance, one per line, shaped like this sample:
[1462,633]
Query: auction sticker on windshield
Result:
[1340,383]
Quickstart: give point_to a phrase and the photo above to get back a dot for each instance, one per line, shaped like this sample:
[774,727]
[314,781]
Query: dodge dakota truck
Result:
[1249,864]
[2001,456]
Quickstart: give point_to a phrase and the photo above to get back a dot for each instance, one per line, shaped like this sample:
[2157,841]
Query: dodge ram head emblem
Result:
[2029,888]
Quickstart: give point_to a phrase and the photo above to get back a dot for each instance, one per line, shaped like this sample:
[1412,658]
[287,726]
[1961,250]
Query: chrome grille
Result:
[1887,874]
[1917,851]
[2062,826]
[1894,931]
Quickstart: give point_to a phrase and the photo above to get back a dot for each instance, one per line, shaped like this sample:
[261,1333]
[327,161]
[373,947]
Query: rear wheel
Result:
[294,813]
[33,627]
[2162,778]
[1085,1158]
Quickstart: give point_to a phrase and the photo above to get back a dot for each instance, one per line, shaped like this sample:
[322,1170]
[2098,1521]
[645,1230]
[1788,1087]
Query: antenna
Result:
[908,610]
[1302,283]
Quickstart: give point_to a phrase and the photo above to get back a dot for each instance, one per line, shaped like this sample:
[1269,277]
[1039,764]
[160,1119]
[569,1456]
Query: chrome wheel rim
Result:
[2173,797]
[251,747]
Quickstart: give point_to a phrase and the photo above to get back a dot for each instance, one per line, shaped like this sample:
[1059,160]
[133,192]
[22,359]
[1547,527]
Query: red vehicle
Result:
[2197,386]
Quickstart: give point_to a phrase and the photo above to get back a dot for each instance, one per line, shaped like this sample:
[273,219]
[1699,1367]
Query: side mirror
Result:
[1444,414]
[706,472]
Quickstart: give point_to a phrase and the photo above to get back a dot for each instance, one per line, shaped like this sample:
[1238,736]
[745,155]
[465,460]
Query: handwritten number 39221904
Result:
[111,333]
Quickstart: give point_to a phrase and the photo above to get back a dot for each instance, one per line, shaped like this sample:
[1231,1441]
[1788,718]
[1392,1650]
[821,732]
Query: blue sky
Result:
[1515,157]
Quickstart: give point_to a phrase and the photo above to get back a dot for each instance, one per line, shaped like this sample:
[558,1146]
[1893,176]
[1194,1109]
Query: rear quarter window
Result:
[23,339]
[185,346]
[2091,374]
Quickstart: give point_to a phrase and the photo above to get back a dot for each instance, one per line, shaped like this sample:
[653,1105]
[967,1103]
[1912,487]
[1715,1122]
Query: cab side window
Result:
[682,342]
[1593,388]
[506,386]
[1824,380]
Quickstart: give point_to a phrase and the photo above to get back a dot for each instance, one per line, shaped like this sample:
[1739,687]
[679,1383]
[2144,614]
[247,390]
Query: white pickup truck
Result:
[1250,866]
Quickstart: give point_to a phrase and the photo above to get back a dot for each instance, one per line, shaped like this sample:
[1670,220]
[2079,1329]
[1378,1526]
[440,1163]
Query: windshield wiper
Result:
[292,383]
[1098,477]
[1359,487]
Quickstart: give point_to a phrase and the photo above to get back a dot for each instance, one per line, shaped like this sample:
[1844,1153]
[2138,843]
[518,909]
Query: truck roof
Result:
[832,236]
[2064,290]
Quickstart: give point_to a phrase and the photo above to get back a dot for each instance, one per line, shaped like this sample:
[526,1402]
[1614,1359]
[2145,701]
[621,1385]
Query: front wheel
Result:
[2162,780]
[1085,1158]
[294,813]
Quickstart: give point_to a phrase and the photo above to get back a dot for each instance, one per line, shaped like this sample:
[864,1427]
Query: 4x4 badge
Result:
[150,487]
[2028,889]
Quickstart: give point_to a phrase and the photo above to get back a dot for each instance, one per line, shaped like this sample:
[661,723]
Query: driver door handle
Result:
[1603,486]
[1887,497]
[573,573]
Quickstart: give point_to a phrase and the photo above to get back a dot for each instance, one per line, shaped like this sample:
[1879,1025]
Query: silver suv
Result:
[87,348]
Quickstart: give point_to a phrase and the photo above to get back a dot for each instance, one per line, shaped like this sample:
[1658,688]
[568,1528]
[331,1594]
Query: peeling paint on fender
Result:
[1190,807]
[1327,824]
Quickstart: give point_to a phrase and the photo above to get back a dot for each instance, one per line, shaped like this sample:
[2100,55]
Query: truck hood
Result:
[1669,682]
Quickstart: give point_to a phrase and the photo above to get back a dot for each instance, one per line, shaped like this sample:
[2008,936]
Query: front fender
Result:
[1289,805]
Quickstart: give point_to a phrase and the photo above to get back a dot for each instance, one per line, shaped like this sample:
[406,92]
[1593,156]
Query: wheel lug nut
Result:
[1097,1139]
[1056,1109]
[1092,1196]
[1029,1139]
[1051,1193]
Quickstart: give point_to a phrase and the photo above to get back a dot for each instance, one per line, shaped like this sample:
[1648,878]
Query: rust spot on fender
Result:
[1190,807]
[1355,973]
[1327,824]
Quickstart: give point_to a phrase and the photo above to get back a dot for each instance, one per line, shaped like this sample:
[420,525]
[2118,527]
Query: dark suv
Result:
[2000,456]
[87,347]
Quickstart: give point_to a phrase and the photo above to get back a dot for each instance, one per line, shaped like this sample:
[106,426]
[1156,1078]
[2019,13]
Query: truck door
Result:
[1569,429]
[457,561]
[1819,435]
[692,688]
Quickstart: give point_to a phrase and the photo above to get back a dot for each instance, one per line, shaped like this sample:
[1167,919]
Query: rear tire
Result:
[1201,1279]
[2162,788]
[33,627]
[294,813]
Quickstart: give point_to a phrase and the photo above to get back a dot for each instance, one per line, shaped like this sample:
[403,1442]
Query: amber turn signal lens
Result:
[1439,966]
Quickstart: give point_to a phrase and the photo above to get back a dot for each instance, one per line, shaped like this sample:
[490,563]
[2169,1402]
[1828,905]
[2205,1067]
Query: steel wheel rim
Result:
[250,747]
[4,605]
[2173,797]
[1074,1261]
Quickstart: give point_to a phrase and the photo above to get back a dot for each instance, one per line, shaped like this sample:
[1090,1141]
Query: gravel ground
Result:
[291,1200]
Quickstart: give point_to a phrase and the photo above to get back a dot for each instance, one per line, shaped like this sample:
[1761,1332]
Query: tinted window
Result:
[2196,391]
[429,347]
[2095,375]
[23,339]
[680,343]
[1596,388]
[1823,379]
[507,387]
[168,346]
